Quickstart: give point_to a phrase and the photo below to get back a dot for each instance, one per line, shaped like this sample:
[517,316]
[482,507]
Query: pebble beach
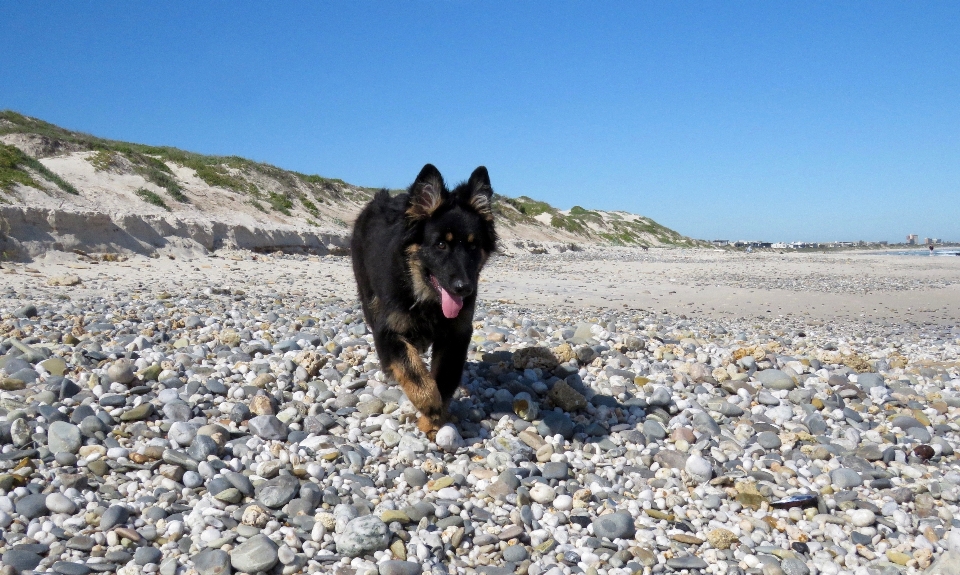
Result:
[622,411]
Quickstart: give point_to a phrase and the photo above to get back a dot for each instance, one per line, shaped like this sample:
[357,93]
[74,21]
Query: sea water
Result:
[924,252]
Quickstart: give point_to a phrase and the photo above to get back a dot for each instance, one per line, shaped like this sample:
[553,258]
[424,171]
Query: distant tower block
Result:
[912,240]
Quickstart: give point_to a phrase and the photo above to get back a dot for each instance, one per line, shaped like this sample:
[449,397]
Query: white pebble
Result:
[543,493]
[862,517]
[448,438]
[563,503]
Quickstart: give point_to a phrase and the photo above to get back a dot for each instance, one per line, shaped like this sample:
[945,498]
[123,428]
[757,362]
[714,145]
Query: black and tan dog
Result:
[417,258]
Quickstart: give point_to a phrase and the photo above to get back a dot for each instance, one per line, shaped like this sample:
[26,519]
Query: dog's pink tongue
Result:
[451,304]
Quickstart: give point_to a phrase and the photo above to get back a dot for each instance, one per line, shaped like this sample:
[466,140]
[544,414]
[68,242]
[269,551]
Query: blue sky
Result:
[737,120]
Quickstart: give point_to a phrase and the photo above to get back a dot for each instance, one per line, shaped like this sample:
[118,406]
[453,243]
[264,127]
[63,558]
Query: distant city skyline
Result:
[811,121]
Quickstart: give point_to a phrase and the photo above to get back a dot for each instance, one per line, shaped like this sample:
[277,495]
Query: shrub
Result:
[280,202]
[152,198]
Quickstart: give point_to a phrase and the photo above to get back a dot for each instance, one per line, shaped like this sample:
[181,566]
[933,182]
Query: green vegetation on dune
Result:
[12,171]
[229,172]
[152,198]
[269,188]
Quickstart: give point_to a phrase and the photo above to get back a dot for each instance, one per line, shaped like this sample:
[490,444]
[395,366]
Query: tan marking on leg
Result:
[421,389]
[449,236]
[470,239]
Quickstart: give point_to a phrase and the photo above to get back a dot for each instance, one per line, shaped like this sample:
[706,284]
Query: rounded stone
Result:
[554,423]
[146,555]
[846,478]
[775,379]
[21,560]
[268,427]
[414,477]
[543,493]
[448,439]
[278,491]
[212,562]
[699,468]
[59,503]
[614,526]
[863,517]
[654,430]
[259,553]
[793,566]
[769,440]
[63,436]
[515,553]
[363,535]
[395,567]
[192,479]
[32,506]
[113,516]
[121,371]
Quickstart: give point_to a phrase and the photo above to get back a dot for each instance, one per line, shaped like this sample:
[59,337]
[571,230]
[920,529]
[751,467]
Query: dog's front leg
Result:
[449,356]
[403,360]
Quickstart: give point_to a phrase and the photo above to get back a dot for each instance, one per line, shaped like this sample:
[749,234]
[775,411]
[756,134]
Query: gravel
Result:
[250,427]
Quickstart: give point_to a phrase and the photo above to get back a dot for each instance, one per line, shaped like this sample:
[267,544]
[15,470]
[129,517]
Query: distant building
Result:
[883,243]
[780,245]
[927,241]
[912,240]
[721,243]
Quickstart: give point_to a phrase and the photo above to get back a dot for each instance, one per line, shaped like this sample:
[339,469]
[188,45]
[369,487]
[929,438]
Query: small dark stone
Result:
[924,451]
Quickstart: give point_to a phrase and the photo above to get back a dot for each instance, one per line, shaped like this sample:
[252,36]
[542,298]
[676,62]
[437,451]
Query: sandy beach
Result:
[890,290]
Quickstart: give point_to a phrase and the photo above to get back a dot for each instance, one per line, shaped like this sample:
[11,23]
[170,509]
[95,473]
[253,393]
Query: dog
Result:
[417,258]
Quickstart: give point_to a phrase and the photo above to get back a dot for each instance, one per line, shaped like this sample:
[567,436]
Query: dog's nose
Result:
[461,288]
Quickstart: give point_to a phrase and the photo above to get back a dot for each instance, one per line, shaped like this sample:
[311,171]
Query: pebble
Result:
[862,517]
[57,503]
[363,535]
[258,553]
[699,468]
[614,526]
[448,439]
[63,437]
[395,567]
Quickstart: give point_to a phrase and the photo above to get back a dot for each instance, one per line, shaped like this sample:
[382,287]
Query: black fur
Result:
[399,243]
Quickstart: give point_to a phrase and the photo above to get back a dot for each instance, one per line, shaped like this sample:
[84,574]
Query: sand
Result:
[842,287]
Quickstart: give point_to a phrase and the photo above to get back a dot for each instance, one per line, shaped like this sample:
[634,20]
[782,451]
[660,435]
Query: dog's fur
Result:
[414,256]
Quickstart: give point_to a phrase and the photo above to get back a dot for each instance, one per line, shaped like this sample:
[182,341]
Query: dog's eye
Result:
[441,245]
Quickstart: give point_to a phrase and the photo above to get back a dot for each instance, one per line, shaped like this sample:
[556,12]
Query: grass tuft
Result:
[152,198]
[311,207]
[12,162]
[280,202]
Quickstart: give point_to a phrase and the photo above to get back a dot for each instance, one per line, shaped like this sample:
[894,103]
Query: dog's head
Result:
[450,236]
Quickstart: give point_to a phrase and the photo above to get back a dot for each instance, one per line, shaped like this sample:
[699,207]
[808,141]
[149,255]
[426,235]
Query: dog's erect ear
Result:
[426,193]
[480,193]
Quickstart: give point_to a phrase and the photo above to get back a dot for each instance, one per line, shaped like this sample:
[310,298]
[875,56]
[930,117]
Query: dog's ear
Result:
[480,193]
[426,193]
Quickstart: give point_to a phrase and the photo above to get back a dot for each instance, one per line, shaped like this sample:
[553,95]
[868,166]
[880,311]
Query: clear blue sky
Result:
[738,120]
